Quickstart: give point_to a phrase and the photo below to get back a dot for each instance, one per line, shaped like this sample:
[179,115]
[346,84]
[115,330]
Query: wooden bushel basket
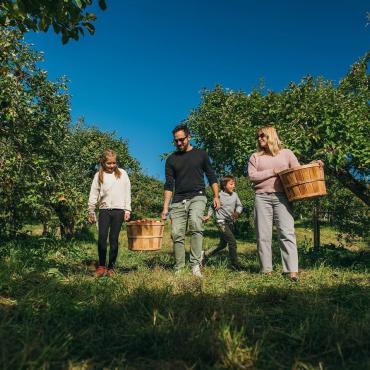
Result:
[145,235]
[303,182]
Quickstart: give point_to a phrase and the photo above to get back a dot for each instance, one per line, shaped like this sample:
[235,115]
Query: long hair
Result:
[273,142]
[107,153]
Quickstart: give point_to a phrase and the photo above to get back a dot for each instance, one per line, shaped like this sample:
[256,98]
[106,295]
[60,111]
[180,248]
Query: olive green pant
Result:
[188,214]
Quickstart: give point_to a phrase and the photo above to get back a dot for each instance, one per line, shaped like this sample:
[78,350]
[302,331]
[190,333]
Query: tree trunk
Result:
[67,225]
[360,189]
[316,224]
[45,228]
[67,231]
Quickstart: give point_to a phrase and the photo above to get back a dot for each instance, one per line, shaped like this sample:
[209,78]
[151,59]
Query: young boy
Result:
[230,209]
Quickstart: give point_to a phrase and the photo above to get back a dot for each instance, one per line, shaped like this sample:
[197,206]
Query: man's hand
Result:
[166,203]
[216,203]
[127,216]
[216,196]
[91,218]
[164,214]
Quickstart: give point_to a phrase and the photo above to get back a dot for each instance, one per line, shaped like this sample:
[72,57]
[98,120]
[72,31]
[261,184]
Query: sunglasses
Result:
[180,139]
[260,136]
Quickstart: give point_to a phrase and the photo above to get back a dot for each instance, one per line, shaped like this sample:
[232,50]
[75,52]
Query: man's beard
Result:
[182,148]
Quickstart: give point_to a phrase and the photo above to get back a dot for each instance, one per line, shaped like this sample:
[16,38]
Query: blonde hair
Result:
[274,144]
[107,153]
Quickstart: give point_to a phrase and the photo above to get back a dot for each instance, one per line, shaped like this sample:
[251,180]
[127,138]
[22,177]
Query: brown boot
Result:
[293,276]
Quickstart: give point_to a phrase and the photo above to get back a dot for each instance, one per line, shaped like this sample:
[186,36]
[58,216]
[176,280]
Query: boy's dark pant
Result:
[110,220]
[227,238]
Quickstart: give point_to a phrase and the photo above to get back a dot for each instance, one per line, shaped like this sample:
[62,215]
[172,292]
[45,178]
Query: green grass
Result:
[54,314]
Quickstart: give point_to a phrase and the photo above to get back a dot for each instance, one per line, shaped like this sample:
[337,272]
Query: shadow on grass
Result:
[248,261]
[68,256]
[51,323]
[329,255]
[335,256]
[86,235]
[162,260]
[43,253]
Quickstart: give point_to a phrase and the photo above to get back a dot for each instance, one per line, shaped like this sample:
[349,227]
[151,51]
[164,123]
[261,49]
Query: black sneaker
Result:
[203,259]
[236,267]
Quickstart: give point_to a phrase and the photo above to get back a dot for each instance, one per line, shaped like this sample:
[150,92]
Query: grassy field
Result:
[54,314]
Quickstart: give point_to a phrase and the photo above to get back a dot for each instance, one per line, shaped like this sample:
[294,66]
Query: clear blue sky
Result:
[141,73]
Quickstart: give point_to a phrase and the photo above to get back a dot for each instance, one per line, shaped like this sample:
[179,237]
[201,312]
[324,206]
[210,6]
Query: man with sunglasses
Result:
[185,170]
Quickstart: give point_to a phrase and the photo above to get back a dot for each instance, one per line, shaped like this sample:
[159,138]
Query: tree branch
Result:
[360,189]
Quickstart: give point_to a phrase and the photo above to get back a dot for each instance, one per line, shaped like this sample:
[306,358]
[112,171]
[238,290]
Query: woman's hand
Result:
[319,162]
[277,170]
[127,216]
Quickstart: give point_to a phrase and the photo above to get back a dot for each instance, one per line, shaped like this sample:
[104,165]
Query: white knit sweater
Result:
[112,193]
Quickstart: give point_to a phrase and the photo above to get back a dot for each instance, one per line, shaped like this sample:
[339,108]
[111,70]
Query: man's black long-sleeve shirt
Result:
[185,174]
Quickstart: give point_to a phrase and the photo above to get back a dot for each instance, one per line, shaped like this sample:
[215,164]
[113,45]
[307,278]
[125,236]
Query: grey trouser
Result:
[188,214]
[227,238]
[275,208]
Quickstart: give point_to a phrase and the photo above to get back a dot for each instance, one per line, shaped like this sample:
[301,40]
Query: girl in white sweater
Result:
[111,189]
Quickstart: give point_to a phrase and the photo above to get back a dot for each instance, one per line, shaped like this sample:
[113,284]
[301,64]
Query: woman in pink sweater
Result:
[271,203]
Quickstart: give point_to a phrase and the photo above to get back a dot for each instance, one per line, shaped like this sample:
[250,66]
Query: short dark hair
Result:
[181,127]
[225,180]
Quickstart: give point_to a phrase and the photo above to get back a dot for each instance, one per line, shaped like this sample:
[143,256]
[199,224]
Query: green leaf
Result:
[78,3]
[90,27]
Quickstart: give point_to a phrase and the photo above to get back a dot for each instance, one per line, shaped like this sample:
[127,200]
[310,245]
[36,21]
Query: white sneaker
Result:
[180,272]
[196,271]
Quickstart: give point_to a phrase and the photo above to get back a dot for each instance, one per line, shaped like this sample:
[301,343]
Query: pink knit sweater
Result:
[261,170]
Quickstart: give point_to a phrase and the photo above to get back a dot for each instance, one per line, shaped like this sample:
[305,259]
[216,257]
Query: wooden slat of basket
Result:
[303,182]
[145,237]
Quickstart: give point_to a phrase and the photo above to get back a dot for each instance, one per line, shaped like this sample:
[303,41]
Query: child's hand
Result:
[91,218]
[236,215]
[206,218]
[127,216]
